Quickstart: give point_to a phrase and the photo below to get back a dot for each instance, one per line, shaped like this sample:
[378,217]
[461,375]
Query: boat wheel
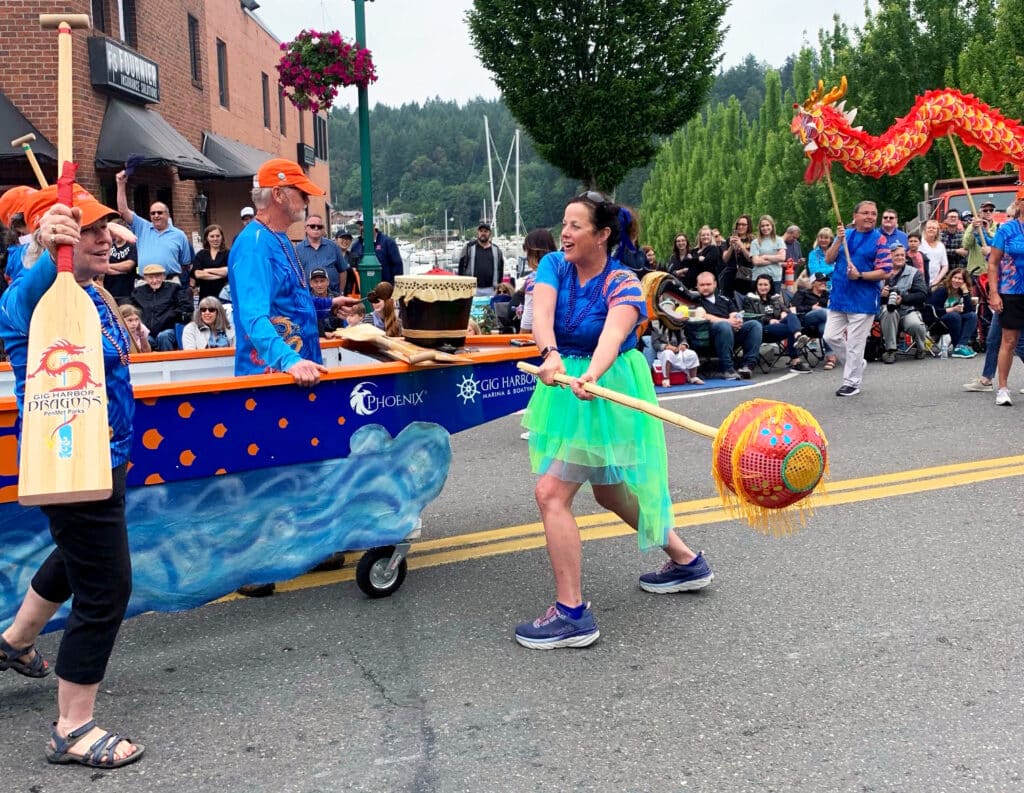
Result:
[373,576]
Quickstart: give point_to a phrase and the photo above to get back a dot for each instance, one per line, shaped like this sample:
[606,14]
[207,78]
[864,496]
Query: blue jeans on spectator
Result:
[815,318]
[786,330]
[992,342]
[166,340]
[962,327]
[725,340]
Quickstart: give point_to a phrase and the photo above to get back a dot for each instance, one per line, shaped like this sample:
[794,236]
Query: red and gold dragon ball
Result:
[768,455]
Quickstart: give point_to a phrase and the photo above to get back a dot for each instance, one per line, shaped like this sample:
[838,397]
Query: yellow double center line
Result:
[530,536]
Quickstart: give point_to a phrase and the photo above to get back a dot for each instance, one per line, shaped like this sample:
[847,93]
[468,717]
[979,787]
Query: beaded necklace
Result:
[573,319]
[289,254]
[122,333]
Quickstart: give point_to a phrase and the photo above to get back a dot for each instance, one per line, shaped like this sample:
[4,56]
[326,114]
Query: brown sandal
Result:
[830,364]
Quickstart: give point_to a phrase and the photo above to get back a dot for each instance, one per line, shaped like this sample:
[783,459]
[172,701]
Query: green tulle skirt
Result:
[604,443]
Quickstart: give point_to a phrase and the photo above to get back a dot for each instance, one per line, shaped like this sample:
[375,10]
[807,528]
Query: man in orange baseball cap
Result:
[275,315]
[285,173]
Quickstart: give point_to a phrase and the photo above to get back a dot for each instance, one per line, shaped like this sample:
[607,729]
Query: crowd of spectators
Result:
[171,297]
[934,301]
[754,286]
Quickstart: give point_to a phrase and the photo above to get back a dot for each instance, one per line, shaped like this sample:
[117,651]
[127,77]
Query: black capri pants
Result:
[90,564]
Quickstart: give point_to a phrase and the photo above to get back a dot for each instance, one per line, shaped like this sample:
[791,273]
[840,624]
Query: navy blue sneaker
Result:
[557,629]
[674,577]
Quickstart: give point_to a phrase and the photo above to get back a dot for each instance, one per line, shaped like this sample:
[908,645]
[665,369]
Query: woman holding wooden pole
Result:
[90,562]
[586,309]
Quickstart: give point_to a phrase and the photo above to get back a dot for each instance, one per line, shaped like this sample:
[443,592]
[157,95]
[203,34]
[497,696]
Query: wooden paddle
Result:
[365,333]
[399,349]
[630,402]
[65,435]
[436,356]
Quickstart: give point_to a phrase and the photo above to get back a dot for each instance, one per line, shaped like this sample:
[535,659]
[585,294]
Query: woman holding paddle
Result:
[90,563]
[586,309]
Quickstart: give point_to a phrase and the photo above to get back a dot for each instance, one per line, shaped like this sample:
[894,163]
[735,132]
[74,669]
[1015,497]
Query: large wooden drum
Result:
[435,308]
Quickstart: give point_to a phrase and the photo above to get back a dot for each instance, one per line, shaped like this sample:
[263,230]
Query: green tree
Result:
[595,82]
[1008,44]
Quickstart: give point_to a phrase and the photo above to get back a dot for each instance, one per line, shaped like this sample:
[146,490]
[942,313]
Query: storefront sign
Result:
[118,70]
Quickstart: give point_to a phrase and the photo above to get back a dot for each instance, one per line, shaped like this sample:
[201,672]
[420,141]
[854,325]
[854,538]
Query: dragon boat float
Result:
[236,480]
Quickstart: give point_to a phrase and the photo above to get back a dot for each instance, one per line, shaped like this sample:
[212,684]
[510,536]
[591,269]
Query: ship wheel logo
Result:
[468,390]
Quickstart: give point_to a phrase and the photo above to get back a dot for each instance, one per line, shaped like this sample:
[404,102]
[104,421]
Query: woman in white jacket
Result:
[210,327]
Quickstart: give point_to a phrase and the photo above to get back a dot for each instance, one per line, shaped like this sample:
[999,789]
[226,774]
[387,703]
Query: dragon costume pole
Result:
[960,169]
[835,208]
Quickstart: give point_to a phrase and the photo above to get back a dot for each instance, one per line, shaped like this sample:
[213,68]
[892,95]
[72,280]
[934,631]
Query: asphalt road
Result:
[876,650]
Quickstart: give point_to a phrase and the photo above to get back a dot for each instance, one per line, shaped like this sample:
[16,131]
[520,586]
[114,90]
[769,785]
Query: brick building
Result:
[188,85]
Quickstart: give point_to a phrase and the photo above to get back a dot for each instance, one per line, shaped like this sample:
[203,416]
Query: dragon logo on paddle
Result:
[72,393]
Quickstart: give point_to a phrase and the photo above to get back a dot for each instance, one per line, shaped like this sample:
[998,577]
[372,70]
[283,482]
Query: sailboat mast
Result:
[490,178]
[519,218]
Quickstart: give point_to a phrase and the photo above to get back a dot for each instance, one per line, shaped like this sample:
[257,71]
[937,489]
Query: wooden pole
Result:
[963,179]
[631,402]
[835,208]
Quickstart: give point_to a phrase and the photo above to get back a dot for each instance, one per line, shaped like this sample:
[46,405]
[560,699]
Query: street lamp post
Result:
[365,174]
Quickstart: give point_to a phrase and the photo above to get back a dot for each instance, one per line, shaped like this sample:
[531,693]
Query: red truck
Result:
[947,194]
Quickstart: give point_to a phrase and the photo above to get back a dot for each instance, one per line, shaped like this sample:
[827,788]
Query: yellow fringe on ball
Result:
[738,503]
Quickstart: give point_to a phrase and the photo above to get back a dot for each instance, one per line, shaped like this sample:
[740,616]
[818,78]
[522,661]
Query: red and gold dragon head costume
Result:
[826,130]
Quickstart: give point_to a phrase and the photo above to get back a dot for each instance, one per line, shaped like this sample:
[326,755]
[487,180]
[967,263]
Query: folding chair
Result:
[936,329]
[769,354]
[814,351]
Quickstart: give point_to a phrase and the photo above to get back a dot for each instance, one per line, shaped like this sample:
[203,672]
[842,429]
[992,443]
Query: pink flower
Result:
[315,64]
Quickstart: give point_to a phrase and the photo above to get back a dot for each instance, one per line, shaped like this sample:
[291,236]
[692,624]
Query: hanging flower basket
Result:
[314,65]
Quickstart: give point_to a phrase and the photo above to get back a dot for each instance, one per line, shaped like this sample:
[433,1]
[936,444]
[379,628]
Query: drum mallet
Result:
[24,142]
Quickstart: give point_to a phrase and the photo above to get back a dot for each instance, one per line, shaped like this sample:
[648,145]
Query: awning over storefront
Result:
[13,125]
[239,160]
[133,130]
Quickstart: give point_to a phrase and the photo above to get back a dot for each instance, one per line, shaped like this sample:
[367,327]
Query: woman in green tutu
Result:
[587,306]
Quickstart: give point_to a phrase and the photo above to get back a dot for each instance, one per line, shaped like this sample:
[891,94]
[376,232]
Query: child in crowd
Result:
[137,332]
[384,315]
[914,255]
[671,349]
[356,315]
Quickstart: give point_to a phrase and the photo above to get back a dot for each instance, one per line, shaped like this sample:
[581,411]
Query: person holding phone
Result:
[737,263]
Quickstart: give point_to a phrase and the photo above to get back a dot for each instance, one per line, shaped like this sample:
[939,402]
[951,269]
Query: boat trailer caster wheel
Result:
[381,571]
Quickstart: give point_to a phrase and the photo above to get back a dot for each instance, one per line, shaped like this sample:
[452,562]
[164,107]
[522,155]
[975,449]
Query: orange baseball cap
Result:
[92,210]
[13,201]
[285,173]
